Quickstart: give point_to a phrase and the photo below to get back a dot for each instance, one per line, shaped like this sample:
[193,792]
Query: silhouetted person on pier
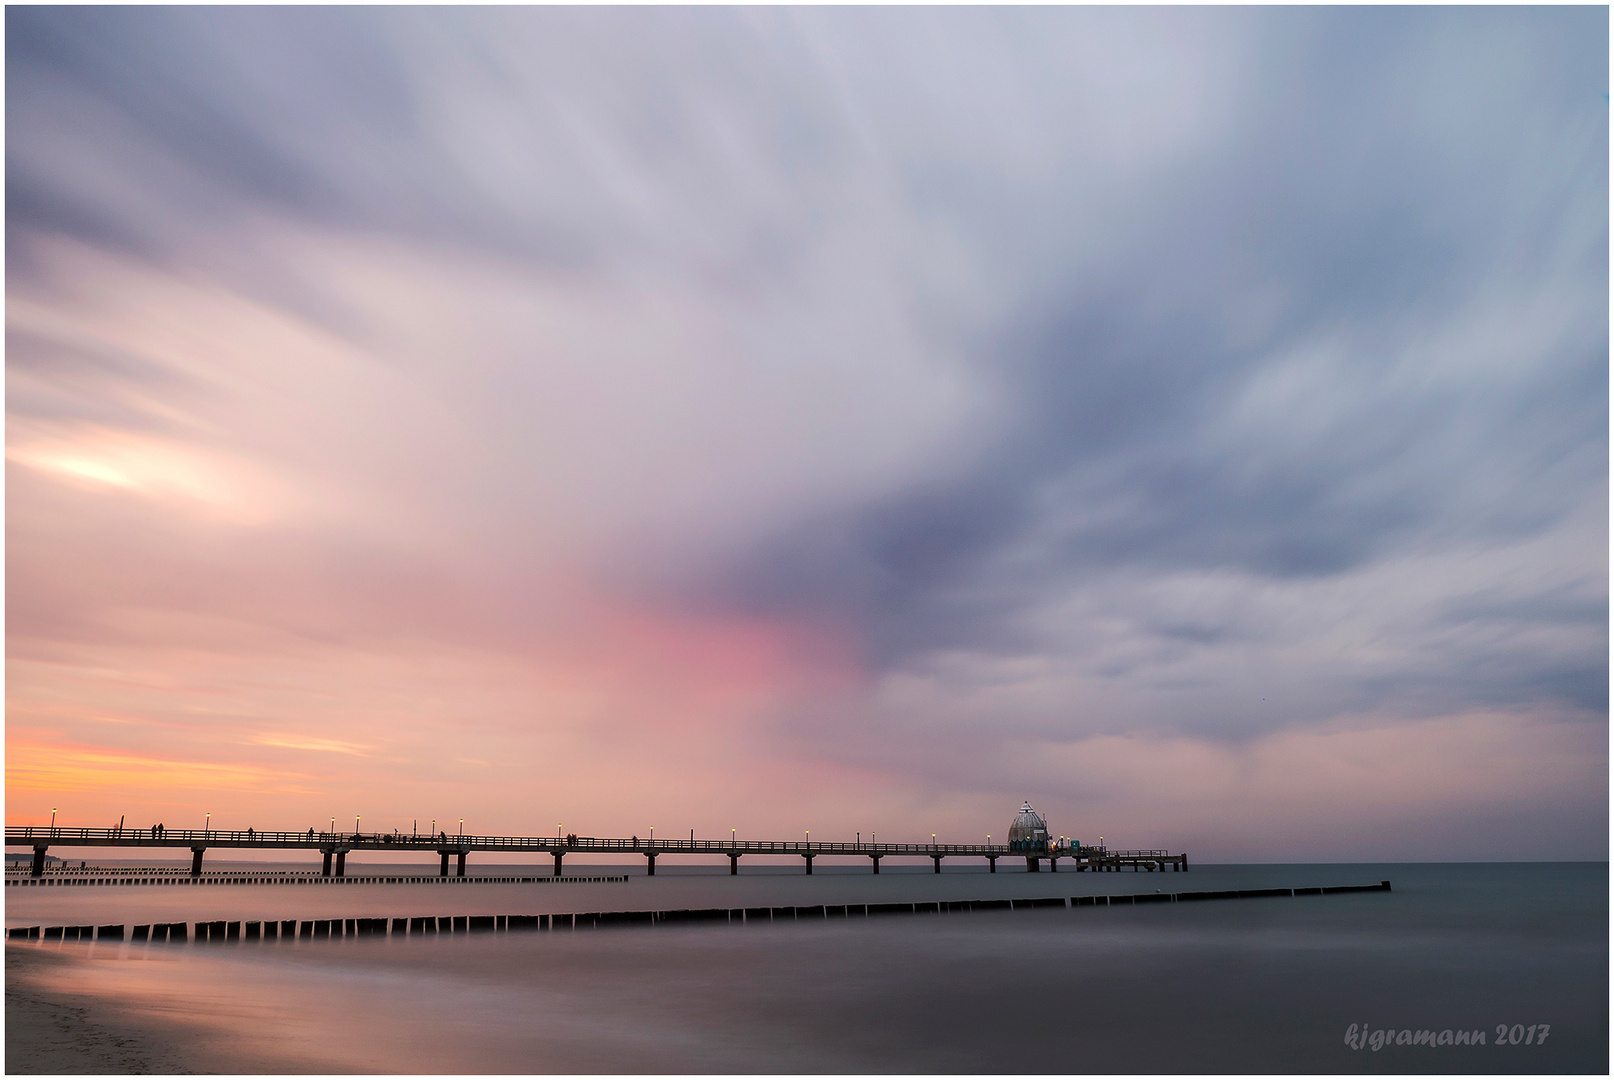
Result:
[311,832]
[154,832]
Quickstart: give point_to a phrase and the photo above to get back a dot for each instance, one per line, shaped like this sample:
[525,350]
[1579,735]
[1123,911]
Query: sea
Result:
[1371,982]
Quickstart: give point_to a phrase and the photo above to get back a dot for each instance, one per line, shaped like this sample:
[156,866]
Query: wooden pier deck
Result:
[335,847]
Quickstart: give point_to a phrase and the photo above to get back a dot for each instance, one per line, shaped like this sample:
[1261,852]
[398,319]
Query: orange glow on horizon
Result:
[40,767]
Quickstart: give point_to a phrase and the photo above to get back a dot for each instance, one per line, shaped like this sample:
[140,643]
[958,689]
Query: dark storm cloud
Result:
[211,89]
[1379,212]
[212,114]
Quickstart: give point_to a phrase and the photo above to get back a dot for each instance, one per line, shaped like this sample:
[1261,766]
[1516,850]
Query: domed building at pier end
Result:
[1029,833]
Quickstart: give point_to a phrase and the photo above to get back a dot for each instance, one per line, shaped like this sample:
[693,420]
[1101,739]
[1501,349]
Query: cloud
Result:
[1371,789]
[846,393]
[308,742]
[56,768]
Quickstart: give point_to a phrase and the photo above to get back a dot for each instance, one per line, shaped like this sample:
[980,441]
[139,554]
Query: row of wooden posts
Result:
[295,929]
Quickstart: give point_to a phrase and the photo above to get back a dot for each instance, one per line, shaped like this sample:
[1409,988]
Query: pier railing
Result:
[54,836]
[336,846]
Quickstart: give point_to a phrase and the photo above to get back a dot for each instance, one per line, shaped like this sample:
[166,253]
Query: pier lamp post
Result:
[734,835]
[356,818]
[333,826]
[652,835]
[207,825]
[462,826]
[53,820]
[434,826]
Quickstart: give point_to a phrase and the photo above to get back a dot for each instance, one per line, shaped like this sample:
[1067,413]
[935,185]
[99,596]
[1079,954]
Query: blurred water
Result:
[1241,985]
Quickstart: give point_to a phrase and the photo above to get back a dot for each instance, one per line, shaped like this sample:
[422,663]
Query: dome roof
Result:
[1029,831]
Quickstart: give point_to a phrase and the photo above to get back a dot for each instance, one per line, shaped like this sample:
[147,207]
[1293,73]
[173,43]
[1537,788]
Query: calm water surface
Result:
[1246,985]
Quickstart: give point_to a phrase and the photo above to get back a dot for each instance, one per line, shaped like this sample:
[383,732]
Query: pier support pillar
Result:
[325,871]
[991,864]
[557,863]
[196,861]
[1033,865]
[442,871]
[734,865]
[461,871]
[650,866]
[875,859]
[809,860]
[937,860]
[38,869]
[1184,864]
[341,864]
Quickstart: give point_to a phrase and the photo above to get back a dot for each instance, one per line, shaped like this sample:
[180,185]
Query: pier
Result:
[334,848]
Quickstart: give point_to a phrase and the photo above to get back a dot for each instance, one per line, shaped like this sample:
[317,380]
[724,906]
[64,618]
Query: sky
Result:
[846,420]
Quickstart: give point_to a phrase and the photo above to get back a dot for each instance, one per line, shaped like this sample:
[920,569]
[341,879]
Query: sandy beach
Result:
[59,1021]
[51,1029]
[48,1031]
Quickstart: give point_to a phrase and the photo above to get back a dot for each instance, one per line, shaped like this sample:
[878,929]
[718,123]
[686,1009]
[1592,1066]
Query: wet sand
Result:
[48,1031]
[52,1030]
